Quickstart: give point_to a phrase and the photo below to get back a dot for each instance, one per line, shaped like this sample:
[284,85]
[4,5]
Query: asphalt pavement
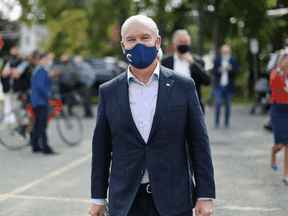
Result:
[59,185]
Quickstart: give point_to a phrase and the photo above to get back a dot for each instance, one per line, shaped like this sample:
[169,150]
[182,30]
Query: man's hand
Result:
[54,73]
[14,73]
[204,208]
[189,58]
[6,72]
[229,67]
[97,210]
[286,89]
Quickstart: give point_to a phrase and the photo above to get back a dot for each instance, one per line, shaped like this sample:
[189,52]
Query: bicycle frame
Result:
[57,103]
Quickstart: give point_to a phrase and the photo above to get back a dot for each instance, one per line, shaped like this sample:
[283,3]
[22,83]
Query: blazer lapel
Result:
[164,90]
[123,99]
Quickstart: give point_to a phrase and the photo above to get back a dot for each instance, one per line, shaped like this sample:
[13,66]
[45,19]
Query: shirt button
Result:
[145,104]
[147,149]
[146,123]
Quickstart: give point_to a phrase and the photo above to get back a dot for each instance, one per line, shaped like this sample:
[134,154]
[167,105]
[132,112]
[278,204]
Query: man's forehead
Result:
[137,28]
[225,48]
[182,37]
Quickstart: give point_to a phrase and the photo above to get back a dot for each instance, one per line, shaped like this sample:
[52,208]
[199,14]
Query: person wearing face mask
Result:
[279,111]
[190,65]
[68,82]
[224,70]
[40,95]
[15,77]
[144,118]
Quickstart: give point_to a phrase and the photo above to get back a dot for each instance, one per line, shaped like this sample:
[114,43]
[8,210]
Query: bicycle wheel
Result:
[14,133]
[70,128]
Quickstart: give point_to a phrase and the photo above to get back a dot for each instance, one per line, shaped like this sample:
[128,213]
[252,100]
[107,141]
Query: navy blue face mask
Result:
[183,48]
[141,56]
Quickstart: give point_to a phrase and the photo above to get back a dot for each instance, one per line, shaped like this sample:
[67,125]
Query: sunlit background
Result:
[91,28]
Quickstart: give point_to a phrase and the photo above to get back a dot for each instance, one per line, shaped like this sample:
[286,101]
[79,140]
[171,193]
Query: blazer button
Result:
[147,148]
[142,172]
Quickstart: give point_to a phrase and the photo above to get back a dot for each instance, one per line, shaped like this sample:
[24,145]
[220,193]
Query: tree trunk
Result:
[216,33]
[200,32]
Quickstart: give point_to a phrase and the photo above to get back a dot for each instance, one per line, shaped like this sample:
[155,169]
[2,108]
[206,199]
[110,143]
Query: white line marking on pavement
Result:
[49,176]
[48,198]
[249,208]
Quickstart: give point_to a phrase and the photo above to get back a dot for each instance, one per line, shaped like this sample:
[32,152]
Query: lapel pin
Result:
[167,84]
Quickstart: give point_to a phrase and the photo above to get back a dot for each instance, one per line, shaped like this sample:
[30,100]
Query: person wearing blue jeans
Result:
[223,93]
[225,68]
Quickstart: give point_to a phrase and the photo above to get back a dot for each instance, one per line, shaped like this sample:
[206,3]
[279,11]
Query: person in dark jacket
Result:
[187,63]
[225,68]
[40,95]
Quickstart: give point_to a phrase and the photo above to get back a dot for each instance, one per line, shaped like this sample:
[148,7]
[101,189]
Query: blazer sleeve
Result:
[217,63]
[199,147]
[235,66]
[101,152]
[203,76]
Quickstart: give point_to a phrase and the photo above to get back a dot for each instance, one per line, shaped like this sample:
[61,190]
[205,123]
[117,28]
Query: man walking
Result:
[225,68]
[144,117]
[187,64]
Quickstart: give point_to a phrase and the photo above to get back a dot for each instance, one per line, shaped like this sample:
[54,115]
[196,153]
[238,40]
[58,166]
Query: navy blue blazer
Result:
[217,74]
[178,117]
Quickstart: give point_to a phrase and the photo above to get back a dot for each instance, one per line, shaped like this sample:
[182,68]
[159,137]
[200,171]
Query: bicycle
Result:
[16,135]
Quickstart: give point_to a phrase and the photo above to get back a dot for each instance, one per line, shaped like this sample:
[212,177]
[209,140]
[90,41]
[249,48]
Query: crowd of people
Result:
[39,78]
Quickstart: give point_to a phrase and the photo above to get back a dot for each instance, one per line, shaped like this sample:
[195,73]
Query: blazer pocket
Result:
[180,184]
[117,187]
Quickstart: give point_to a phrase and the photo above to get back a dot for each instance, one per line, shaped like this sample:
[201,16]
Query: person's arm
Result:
[216,68]
[6,70]
[42,83]
[275,83]
[272,64]
[199,150]
[101,157]
[202,75]
[234,67]
[199,147]
[19,70]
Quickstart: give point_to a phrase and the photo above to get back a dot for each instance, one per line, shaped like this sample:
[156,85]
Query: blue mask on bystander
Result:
[141,56]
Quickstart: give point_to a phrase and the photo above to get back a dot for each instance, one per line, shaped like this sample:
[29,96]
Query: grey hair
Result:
[147,21]
[180,31]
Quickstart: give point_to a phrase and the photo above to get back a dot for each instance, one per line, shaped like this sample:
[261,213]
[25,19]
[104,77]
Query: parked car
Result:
[106,69]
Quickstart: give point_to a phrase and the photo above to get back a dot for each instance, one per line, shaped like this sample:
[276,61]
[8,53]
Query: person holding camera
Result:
[224,70]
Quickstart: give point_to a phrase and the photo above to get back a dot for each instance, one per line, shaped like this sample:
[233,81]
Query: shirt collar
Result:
[176,58]
[131,76]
